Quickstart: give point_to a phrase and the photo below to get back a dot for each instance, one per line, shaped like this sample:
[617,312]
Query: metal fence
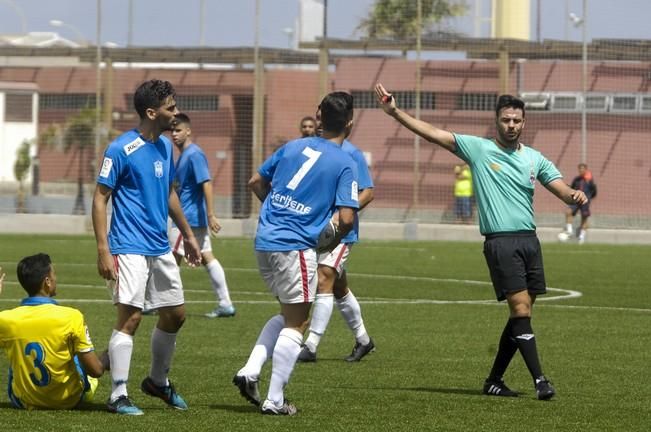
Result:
[586,102]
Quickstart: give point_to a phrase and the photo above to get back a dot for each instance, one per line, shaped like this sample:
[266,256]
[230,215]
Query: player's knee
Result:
[327,277]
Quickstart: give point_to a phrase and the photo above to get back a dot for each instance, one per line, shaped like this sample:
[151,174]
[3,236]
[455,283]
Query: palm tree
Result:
[397,19]
[76,135]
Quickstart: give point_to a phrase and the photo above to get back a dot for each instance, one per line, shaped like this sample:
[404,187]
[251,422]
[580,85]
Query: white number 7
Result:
[312,156]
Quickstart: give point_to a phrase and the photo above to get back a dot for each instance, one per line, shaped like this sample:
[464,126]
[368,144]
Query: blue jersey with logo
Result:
[191,173]
[140,174]
[364,181]
[310,178]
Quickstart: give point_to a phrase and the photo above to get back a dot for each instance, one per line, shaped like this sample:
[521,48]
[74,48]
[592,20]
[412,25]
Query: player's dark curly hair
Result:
[336,111]
[508,101]
[32,270]
[152,94]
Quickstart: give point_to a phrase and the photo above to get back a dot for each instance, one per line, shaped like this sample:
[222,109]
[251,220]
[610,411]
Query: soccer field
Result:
[431,312]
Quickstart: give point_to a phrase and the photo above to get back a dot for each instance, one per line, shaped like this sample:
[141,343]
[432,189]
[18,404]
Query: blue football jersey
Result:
[364,181]
[140,174]
[310,178]
[191,173]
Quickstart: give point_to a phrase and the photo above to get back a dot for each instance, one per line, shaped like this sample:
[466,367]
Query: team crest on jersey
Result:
[495,167]
[158,169]
[133,146]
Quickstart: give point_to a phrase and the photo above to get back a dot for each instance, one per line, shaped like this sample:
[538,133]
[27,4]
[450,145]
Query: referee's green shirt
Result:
[503,181]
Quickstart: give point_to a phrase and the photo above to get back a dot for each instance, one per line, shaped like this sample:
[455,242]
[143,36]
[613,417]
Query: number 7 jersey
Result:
[41,339]
[310,178]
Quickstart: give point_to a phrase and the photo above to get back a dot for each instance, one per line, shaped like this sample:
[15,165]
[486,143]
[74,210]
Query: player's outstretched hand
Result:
[579,197]
[2,278]
[385,99]
[192,251]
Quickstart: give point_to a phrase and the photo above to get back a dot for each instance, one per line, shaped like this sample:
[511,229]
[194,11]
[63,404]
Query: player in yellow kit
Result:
[53,364]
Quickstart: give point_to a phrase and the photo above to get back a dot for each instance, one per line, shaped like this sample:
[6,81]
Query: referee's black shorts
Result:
[515,263]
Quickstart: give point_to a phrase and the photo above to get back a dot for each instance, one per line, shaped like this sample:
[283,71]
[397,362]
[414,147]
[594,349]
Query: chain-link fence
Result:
[586,102]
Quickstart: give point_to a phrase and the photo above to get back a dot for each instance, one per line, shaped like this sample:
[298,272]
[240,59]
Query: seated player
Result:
[52,360]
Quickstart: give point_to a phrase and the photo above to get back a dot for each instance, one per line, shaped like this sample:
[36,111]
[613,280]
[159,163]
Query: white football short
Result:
[337,258]
[291,276]
[176,239]
[154,280]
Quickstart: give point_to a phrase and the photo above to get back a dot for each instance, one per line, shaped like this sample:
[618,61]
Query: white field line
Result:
[563,294]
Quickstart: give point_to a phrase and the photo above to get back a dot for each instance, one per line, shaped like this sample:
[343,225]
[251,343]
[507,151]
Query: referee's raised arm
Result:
[432,134]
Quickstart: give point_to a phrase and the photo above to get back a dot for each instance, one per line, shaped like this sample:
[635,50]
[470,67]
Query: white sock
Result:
[352,314]
[582,234]
[218,281]
[321,313]
[286,352]
[163,345]
[568,228]
[264,347]
[120,348]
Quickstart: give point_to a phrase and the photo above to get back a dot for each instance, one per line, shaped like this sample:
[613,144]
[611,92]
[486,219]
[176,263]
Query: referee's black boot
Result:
[544,389]
[498,388]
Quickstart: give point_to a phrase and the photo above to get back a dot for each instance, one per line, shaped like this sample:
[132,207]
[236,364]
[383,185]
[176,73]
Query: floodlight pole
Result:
[257,150]
[416,180]
[98,82]
[584,129]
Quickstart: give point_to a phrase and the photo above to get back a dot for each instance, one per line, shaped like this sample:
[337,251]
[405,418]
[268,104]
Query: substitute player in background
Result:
[505,172]
[194,188]
[332,276]
[135,257]
[301,185]
[585,182]
[307,126]
[52,360]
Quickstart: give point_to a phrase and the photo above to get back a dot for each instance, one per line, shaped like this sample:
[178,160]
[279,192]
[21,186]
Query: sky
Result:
[231,23]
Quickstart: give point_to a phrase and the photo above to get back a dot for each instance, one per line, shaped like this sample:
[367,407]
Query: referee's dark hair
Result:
[32,270]
[508,101]
[336,111]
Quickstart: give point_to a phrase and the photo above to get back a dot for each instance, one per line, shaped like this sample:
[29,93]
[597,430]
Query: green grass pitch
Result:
[432,314]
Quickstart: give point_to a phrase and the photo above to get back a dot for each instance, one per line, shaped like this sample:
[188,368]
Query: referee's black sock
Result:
[523,334]
[505,353]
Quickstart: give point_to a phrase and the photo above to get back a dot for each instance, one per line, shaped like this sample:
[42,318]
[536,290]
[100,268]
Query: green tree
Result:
[21,169]
[76,136]
[397,19]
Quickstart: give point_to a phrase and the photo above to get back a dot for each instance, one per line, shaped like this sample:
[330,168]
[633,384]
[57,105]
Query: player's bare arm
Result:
[105,264]
[565,193]
[190,245]
[365,198]
[213,223]
[91,363]
[259,186]
[432,134]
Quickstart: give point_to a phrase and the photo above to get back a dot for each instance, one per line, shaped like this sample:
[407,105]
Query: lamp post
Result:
[582,21]
[80,35]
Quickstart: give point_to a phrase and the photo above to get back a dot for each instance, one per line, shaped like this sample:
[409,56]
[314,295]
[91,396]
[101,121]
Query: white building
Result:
[18,122]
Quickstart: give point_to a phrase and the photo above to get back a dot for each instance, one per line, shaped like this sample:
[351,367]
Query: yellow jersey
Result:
[41,339]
